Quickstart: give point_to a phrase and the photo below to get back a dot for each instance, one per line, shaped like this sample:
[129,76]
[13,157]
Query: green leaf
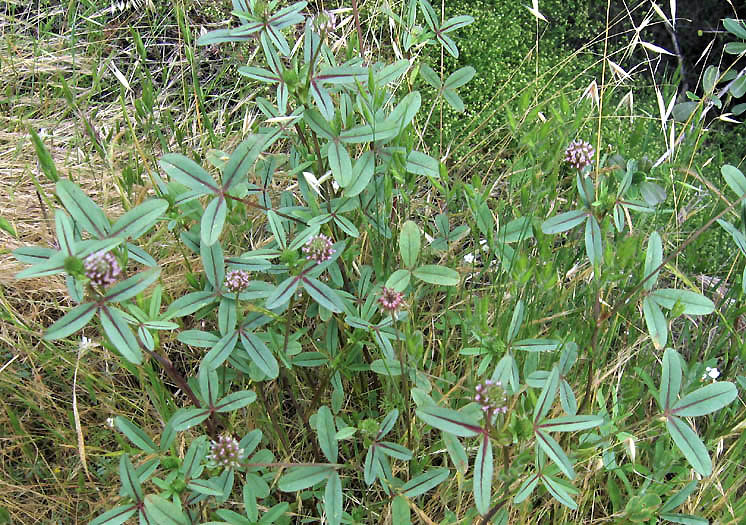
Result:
[483,468]
[340,163]
[653,259]
[516,320]
[85,212]
[558,492]
[323,294]
[424,482]
[526,488]
[735,27]
[119,333]
[392,72]
[72,321]
[735,179]
[657,325]
[163,512]
[706,399]
[399,280]
[670,379]
[571,423]
[436,274]
[326,432]
[135,434]
[738,236]
[457,452]
[260,354]
[686,519]
[690,445]
[213,220]
[546,398]
[240,162]
[652,193]
[318,124]
[516,230]
[186,418]
[459,77]
[45,159]
[593,241]
[213,263]
[422,164]
[709,78]
[457,22]
[187,172]
[409,243]
[139,220]
[130,483]
[430,76]
[115,516]
[189,304]
[131,287]
[451,421]
[387,424]
[220,351]
[692,302]
[299,478]
[554,452]
[454,100]
[564,221]
[400,511]
[282,293]
[333,499]
[362,173]
[738,87]
[537,345]
[205,486]
[394,450]
[235,401]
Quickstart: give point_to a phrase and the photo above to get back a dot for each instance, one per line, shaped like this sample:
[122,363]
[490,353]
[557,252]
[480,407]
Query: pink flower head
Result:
[491,397]
[318,248]
[225,452]
[579,154]
[236,280]
[102,268]
[390,299]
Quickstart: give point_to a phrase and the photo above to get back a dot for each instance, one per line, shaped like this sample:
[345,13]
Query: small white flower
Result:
[469,258]
[710,373]
[110,422]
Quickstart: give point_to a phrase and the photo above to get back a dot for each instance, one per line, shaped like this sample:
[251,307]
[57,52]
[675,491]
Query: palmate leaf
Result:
[236,400]
[240,162]
[221,351]
[593,240]
[483,469]
[422,164]
[282,293]
[526,488]
[135,434]
[460,77]
[340,163]
[130,483]
[213,263]
[546,398]
[186,418]
[395,450]
[690,445]
[189,304]
[571,423]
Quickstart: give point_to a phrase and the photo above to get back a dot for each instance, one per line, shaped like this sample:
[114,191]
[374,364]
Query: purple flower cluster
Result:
[390,299]
[325,22]
[318,248]
[102,268]
[491,396]
[579,154]
[225,452]
[237,281]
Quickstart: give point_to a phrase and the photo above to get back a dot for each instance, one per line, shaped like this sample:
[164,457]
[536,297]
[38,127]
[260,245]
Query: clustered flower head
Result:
[237,280]
[102,268]
[225,452]
[325,22]
[579,154]
[390,299]
[491,396]
[711,373]
[318,248]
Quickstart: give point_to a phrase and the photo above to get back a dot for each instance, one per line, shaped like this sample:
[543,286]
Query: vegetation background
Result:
[111,86]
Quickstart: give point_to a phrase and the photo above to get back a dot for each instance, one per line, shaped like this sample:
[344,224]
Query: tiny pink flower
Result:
[390,299]
[225,452]
[102,268]
[318,248]
[579,154]
[491,397]
[237,281]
